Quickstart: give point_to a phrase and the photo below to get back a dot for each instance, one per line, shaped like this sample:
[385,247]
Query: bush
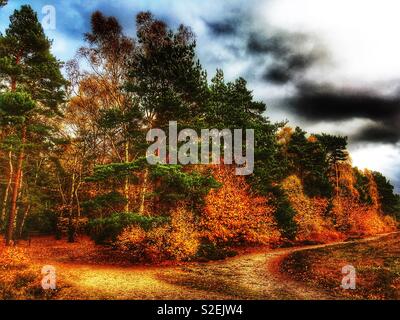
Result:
[106,230]
[177,240]
[210,251]
[183,238]
[233,215]
[18,278]
[131,241]
[64,226]
[284,215]
[312,225]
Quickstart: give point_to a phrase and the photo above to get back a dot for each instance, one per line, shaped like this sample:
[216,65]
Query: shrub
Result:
[234,215]
[210,251]
[312,225]
[183,238]
[64,227]
[131,241]
[106,230]
[177,240]
[104,203]
[284,214]
[18,279]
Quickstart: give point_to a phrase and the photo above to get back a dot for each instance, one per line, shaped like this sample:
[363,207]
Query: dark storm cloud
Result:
[288,67]
[287,63]
[223,28]
[319,102]
[389,132]
[324,103]
[286,57]
[286,51]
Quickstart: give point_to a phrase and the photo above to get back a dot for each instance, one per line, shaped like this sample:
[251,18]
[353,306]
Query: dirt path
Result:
[249,276]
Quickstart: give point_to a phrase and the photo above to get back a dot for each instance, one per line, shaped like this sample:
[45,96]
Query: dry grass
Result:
[377,266]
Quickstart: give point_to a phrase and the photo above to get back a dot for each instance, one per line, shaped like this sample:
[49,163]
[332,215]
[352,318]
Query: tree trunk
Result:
[15,191]
[78,203]
[337,180]
[143,193]
[21,223]
[7,191]
[126,186]
[71,225]
[19,200]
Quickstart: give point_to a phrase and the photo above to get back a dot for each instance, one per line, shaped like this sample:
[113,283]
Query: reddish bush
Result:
[177,240]
[312,224]
[234,215]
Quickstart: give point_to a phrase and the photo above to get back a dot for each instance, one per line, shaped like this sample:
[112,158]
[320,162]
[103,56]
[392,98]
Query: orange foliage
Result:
[234,215]
[312,225]
[351,215]
[177,240]
[18,278]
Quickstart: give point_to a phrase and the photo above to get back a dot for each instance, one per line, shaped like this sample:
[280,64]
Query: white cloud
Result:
[361,34]
[383,158]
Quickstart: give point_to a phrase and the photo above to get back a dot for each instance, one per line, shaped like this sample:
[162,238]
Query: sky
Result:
[328,66]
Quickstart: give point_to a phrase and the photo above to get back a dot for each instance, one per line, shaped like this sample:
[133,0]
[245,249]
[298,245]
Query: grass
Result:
[377,265]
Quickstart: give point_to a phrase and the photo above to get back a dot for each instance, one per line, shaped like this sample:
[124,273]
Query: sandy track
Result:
[250,276]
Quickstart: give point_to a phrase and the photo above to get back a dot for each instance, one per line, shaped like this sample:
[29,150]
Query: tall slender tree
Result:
[108,53]
[35,87]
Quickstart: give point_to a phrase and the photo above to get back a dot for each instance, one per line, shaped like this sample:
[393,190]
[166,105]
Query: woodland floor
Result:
[86,271]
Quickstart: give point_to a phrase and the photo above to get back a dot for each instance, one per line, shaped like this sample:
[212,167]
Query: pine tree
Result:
[34,87]
[335,148]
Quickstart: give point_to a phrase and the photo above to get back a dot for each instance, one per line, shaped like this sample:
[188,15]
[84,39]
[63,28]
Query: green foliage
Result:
[362,186]
[389,200]
[231,105]
[284,215]
[3,3]
[177,184]
[335,148]
[106,230]
[14,107]
[165,74]
[25,60]
[308,160]
[104,203]
[106,172]
[44,222]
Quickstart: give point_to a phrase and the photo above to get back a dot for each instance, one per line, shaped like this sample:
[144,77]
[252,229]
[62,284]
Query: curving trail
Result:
[249,276]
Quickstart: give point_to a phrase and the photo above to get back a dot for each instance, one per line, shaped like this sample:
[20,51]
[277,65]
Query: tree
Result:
[311,223]
[3,3]
[165,74]
[166,78]
[35,87]
[234,215]
[306,158]
[390,202]
[335,148]
[108,55]
[232,106]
